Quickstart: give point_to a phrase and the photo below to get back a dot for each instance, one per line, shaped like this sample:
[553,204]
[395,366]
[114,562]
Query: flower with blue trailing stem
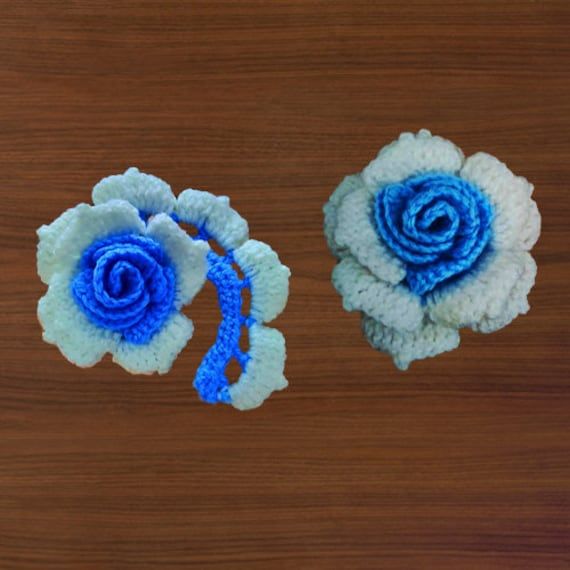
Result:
[120,271]
[429,242]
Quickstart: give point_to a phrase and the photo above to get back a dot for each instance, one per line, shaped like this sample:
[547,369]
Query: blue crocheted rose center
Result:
[438,224]
[126,284]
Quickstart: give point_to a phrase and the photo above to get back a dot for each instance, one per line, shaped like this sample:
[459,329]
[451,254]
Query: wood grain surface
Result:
[460,463]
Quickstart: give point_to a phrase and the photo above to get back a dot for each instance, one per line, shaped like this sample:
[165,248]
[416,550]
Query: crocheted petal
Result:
[66,326]
[264,371]
[493,295]
[405,346]
[355,231]
[49,235]
[411,154]
[62,244]
[214,214]
[159,354]
[268,277]
[394,306]
[145,192]
[517,301]
[348,185]
[516,222]
[187,255]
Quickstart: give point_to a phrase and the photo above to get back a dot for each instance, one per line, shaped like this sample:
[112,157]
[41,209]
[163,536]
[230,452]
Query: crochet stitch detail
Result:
[120,271]
[436,223]
[267,280]
[211,381]
[429,242]
[126,284]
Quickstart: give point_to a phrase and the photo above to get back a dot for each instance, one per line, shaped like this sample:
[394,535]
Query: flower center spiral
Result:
[438,224]
[126,284]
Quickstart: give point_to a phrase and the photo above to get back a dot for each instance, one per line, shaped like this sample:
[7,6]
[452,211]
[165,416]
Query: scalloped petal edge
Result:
[263,374]
[146,192]
[213,214]
[406,346]
[268,277]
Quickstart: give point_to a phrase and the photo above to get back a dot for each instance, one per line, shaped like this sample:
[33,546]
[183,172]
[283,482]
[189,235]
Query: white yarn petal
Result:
[395,306]
[405,346]
[484,299]
[159,354]
[412,154]
[269,279]
[264,371]
[516,222]
[49,235]
[530,230]
[516,303]
[355,231]
[187,255]
[66,326]
[215,215]
[79,229]
[90,224]
[348,185]
[146,192]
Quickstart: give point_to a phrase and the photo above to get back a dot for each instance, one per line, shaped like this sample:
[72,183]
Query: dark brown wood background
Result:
[460,463]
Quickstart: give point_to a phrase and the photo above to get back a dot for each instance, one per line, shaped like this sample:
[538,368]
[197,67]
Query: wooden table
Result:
[460,463]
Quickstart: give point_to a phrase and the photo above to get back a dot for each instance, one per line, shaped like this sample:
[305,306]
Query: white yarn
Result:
[187,255]
[269,279]
[516,224]
[146,192]
[355,231]
[264,371]
[215,215]
[67,327]
[412,154]
[362,291]
[348,185]
[429,339]
[484,295]
[371,280]
[63,242]
[49,235]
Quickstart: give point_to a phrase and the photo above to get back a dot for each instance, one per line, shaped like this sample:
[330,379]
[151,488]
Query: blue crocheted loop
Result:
[126,284]
[210,381]
[438,224]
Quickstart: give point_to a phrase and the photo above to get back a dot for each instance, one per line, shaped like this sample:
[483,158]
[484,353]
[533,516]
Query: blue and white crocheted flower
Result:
[430,242]
[120,271]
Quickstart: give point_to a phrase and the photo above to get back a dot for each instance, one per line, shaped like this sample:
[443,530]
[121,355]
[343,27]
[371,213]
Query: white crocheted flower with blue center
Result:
[120,271]
[430,242]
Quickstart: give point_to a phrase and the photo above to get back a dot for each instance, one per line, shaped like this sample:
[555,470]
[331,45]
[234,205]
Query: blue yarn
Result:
[120,304]
[210,380]
[438,224]
[126,284]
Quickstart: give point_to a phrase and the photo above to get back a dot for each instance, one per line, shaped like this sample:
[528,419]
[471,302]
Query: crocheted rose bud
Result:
[119,272]
[429,242]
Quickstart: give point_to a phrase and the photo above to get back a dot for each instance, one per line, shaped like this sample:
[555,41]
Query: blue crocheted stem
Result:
[211,381]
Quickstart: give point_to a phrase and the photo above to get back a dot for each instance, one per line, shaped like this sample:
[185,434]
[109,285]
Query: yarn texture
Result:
[120,271]
[429,242]
[126,284]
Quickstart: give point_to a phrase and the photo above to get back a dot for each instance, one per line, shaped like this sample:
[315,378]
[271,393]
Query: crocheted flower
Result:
[116,283]
[120,271]
[430,242]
